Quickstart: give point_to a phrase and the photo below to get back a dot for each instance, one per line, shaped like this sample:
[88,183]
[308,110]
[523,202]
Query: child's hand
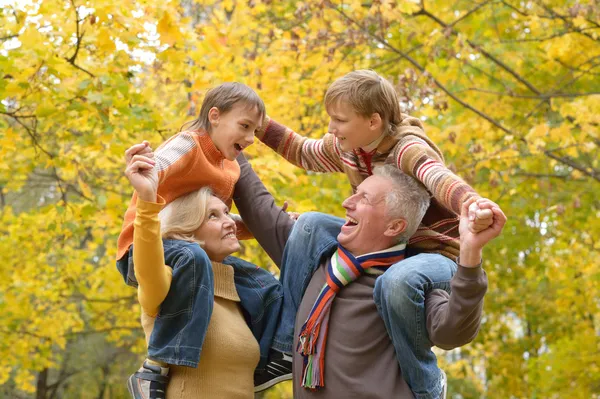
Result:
[480,216]
[471,243]
[141,172]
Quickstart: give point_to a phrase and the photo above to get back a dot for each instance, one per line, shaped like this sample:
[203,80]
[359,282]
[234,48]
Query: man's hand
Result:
[141,172]
[472,243]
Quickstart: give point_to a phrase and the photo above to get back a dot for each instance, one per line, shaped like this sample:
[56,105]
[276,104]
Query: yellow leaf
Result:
[85,189]
[168,30]
[104,41]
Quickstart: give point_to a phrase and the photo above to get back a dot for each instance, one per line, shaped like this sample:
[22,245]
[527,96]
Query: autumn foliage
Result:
[509,90]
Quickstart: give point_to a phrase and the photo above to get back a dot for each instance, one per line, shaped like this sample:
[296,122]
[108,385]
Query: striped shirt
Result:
[410,150]
[186,162]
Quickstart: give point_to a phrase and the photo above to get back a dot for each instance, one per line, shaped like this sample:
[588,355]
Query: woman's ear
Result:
[213,116]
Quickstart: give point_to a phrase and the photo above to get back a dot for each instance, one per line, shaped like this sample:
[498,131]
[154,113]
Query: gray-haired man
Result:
[343,302]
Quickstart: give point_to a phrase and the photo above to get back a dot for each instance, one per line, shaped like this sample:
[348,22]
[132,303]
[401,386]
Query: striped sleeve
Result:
[415,157]
[176,156]
[322,155]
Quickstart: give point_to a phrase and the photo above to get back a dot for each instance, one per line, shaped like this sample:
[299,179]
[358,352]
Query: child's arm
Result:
[176,157]
[420,159]
[315,155]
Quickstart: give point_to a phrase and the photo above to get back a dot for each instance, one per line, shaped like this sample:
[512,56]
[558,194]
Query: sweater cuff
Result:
[469,273]
[146,207]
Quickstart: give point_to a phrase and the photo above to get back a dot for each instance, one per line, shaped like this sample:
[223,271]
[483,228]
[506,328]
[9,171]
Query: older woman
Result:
[230,352]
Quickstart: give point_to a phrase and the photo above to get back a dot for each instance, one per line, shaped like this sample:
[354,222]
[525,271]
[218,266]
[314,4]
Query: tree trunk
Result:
[42,384]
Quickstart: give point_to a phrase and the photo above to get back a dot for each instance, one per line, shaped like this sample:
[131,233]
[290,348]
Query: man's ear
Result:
[375,122]
[395,228]
[213,116]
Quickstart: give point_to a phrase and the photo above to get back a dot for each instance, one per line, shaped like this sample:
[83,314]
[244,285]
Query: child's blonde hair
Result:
[180,219]
[367,93]
[224,97]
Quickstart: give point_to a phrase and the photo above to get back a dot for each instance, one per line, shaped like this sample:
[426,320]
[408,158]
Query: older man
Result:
[339,339]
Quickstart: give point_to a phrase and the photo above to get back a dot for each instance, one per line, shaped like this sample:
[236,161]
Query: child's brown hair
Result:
[224,97]
[367,93]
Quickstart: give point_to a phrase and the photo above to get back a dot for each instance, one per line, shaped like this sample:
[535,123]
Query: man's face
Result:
[352,130]
[367,227]
[234,130]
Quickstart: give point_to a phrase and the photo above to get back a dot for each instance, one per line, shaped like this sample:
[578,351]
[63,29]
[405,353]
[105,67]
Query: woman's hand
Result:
[141,172]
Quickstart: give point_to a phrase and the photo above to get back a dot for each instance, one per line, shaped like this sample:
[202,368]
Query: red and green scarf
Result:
[342,269]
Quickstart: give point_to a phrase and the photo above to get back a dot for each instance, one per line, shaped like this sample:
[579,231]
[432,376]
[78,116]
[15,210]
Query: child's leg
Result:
[261,297]
[181,325]
[311,237]
[400,298]
[314,235]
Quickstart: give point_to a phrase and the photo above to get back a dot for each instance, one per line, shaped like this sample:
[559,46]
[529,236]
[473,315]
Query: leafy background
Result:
[510,90]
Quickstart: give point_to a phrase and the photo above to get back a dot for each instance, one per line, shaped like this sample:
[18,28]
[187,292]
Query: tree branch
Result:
[478,48]
[594,174]
[544,96]
[71,60]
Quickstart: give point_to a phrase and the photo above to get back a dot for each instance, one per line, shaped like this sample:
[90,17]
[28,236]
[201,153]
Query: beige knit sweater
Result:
[229,353]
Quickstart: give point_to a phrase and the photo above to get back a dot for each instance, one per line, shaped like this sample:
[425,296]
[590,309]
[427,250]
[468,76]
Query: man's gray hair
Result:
[407,199]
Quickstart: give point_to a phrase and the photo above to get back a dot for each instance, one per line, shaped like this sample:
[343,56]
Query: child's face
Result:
[352,130]
[234,130]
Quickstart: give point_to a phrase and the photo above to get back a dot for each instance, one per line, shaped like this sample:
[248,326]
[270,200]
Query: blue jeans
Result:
[399,295]
[400,298]
[313,237]
[182,322]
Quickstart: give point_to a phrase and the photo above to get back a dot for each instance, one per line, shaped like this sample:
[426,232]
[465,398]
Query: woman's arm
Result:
[153,276]
[269,224]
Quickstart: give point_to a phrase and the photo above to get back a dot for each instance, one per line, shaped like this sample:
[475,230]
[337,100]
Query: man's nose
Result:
[348,203]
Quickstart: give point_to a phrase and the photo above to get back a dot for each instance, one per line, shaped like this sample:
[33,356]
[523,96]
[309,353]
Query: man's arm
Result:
[315,155]
[269,224]
[453,320]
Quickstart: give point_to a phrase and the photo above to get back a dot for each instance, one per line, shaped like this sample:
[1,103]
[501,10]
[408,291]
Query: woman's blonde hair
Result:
[367,93]
[224,97]
[180,219]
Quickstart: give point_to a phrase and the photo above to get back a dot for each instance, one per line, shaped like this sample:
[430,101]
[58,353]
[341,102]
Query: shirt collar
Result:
[373,144]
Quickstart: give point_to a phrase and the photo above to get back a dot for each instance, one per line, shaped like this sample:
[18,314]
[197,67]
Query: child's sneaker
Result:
[279,368]
[149,382]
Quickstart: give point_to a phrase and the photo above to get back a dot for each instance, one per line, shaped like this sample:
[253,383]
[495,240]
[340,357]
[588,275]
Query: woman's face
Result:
[218,231]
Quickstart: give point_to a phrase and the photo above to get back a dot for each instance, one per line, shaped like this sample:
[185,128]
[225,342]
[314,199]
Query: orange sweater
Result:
[186,162]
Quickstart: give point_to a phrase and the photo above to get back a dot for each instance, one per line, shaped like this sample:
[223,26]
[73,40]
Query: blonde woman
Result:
[230,352]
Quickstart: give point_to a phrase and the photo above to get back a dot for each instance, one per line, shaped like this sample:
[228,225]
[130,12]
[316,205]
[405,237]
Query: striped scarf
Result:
[342,269]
